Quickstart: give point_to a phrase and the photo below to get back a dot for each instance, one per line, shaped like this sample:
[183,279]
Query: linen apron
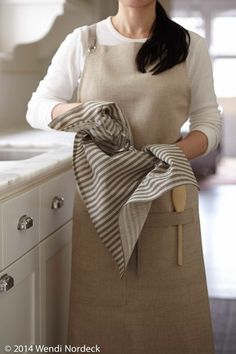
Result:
[158,307]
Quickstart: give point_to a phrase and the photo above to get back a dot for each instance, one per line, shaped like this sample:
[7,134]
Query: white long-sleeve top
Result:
[64,72]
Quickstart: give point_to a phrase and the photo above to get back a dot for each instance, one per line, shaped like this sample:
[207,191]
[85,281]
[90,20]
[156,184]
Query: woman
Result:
[160,74]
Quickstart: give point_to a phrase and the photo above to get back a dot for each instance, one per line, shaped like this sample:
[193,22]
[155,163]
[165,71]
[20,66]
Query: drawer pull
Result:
[25,222]
[57,202]
[6,283]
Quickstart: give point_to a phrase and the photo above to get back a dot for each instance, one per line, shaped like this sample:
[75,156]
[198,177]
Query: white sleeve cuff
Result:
[45,107]
[211,138]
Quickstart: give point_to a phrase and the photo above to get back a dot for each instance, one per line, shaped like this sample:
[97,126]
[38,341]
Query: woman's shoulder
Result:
[75,40]
[198,46]
[198,57]
[77,33]
[82,31]
[78,37]
[196,40]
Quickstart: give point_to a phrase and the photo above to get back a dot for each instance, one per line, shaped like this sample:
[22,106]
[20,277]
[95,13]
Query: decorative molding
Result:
[34,57]
[30,21]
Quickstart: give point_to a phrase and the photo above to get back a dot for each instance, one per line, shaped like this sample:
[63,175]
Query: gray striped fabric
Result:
[116,181]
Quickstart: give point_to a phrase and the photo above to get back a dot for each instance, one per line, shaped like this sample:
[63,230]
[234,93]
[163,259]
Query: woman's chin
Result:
[137,3]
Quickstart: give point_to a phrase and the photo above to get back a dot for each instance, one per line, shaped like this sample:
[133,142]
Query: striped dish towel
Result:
[116,181]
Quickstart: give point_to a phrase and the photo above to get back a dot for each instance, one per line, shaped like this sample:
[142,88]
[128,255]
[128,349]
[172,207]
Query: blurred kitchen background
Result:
[30,33]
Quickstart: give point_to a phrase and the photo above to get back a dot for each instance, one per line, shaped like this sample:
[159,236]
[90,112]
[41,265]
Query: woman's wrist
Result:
[194,144]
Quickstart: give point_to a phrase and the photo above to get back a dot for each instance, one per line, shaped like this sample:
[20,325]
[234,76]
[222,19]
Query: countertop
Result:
[18,174]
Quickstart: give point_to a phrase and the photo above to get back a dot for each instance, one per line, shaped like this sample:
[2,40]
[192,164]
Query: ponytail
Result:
[167,46]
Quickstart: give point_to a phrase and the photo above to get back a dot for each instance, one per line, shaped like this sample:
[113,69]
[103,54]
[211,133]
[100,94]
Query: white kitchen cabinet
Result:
[19,305]
[35,309]
[55,266]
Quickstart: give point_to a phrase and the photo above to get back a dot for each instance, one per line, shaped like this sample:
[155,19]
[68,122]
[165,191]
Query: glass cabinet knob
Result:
[25,222]
[57,202]
[6,283]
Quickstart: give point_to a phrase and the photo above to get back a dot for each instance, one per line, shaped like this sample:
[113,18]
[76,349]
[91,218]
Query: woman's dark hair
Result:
[167,46]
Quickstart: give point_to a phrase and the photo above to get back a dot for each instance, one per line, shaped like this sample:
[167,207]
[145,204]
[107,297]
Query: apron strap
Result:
[92,37]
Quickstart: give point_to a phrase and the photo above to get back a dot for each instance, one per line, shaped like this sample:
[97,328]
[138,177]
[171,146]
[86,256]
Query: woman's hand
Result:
[61,108]
[194,144]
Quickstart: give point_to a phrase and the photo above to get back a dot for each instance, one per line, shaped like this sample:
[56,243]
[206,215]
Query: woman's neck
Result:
[134,22]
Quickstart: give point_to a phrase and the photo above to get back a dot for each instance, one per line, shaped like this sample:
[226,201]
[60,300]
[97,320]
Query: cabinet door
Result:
[19,306]
[55,263]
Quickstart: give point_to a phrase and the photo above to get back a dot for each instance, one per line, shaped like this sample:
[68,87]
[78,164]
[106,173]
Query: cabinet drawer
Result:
[62,186]
[17,242]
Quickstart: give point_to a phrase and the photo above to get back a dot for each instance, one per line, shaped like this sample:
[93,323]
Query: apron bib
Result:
[157,307]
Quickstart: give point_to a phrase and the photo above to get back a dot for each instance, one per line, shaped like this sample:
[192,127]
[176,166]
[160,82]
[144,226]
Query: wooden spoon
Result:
[179,202]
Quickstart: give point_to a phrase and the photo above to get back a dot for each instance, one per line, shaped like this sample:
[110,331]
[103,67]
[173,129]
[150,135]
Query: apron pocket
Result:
[173,218]
[158,244]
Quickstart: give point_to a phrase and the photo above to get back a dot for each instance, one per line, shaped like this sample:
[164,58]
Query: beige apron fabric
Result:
[157,307]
